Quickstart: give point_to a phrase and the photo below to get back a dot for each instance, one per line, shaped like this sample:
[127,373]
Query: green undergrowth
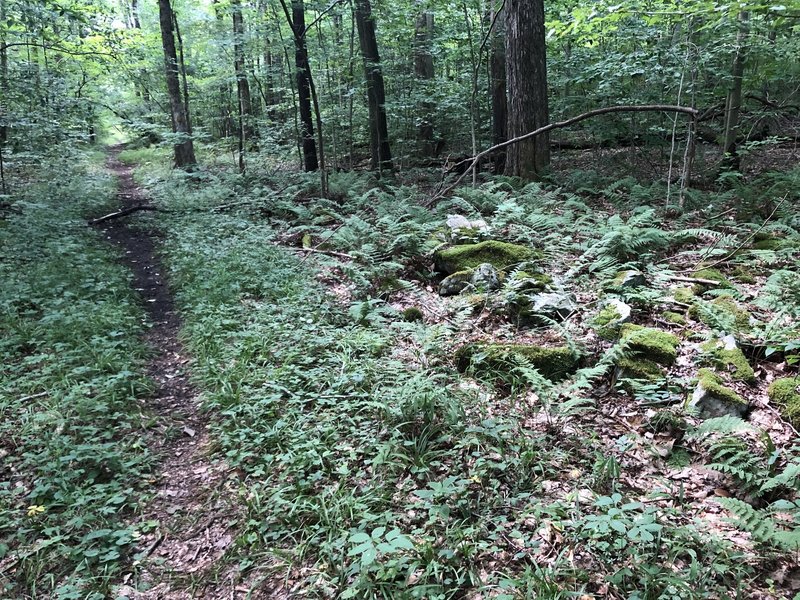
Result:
[71,454]
[368,467]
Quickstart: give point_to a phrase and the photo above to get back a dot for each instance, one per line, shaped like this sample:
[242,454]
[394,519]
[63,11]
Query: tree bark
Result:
[423,69]
[526,72]
[381,155]
[733,104]
[303,75]
[497,69]
[184,148]
[247,130]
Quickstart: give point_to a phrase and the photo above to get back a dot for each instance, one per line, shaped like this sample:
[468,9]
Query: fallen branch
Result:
[123,213]
[330,252]
[693,279]
[560,124]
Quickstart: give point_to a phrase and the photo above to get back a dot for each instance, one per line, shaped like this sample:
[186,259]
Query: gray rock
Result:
[709,404]
[629,280]
[554,305]
[456,283]
[485,277]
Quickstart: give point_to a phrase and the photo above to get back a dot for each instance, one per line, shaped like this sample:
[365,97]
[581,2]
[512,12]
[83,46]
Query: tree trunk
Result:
[497,68]
[247,131]
[303,74]
[423,69]
[526,72]
[184,148]
[376,95]
[733,104]
[3,79]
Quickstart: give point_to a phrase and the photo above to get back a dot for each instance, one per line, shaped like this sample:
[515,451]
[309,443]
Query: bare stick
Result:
[560,124]
[123,213]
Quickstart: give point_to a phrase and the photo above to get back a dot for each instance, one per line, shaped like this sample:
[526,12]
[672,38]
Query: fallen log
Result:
[123,213]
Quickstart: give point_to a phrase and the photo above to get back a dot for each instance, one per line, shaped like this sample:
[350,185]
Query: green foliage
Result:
[70,385]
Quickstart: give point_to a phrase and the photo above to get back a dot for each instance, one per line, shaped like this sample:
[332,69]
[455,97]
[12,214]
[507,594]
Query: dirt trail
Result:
[194,522]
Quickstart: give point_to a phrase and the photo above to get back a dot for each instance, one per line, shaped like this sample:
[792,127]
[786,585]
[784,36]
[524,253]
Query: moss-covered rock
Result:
[711,275]
[712,398]
[651,344]
[684,295]
[673,317]
[739,317]
[641,369]
[743,275]
[456,283]
[625,280]
[412,314]
[726,356]
[553,363]
[527,281]
[785,393]
[610,319]
[501,255]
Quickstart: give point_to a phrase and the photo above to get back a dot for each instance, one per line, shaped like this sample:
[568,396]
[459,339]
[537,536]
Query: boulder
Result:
[456,283]
[726,355]
[651,344]
[501,255]
[553,305]
[485,277]
[611,317]
[626,280]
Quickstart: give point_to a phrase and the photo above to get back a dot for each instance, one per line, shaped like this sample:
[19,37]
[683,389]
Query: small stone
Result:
[485,277]
[629,279]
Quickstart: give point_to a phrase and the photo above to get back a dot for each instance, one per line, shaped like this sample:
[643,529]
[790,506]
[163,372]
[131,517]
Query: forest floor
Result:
[282,399]
[188,504]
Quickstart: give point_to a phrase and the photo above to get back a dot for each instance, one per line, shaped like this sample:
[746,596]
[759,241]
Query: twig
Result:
[33,397]
[123,213]
[331,252]
[692,279]
[558,125]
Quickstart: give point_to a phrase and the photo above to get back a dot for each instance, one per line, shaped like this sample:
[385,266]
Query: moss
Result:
[684,295]
[639,368]
[743,275]
[455,283]
[724,359]
[673,317]
[500,255]
[625,280]
[652,344]
[727,305]
[531,281]
[307,241]
[606,323]
[412,313]
[553,363]
[715,386]
[769,243]
[711,275]
[784,393]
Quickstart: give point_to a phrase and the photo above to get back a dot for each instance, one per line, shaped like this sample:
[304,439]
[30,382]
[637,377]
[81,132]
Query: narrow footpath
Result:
[194,523]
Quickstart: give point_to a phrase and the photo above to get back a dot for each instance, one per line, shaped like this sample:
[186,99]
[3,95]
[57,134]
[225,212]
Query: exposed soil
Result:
[191,522]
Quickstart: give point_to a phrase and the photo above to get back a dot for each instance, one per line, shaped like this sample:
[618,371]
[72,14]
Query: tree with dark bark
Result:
[381,155]
[247,129]
[733,103]
[297,21]
[526,74]
[184,148]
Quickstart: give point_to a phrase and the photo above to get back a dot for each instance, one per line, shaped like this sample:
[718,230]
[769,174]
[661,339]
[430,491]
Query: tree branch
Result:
[560,124]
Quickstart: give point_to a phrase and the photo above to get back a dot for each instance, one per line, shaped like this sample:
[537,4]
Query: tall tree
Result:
[497,72]
[184,148]
[247,130]
[733,103]
[297,21]
[245,108]
[526,74]
[381,155]
[423,69]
